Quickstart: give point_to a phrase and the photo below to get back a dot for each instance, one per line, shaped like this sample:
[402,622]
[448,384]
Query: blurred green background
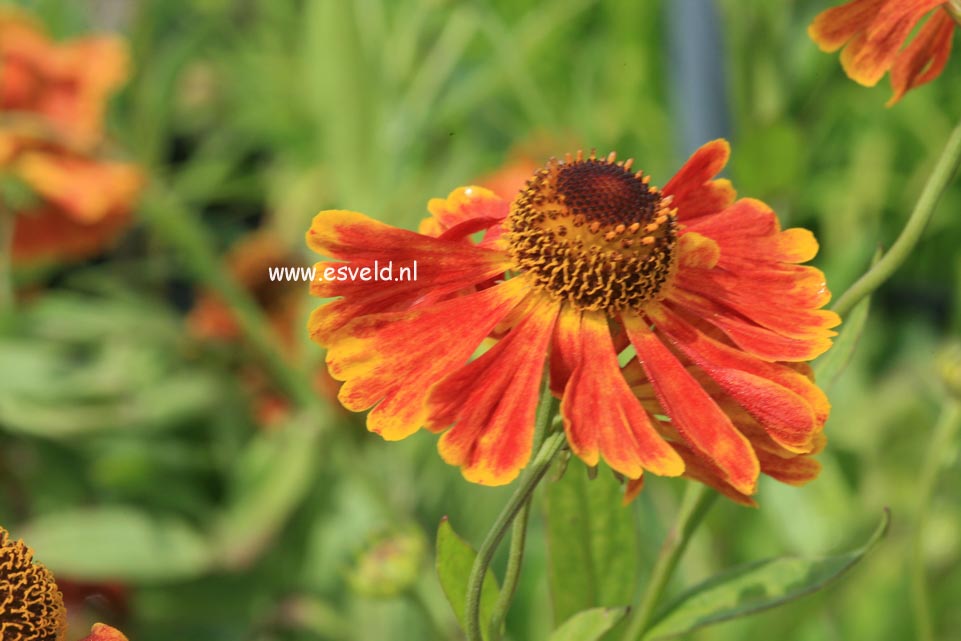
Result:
[134,452]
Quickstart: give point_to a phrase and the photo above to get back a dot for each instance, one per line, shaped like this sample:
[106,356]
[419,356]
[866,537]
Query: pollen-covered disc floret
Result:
[594,233]
[31,605]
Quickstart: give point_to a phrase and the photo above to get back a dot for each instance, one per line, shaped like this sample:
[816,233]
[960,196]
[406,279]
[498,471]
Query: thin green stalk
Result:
[6,259]
[698,499]
[546,409]
[180,226]
[945,431]
[938,182]
[532,476]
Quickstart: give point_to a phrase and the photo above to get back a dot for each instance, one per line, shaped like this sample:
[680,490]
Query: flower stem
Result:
[546,409]
[938,182]
[7,222]
[532,476]
[944,434]
[698,499]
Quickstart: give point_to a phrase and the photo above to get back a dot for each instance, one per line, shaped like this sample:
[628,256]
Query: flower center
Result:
[31,606]
[593,233]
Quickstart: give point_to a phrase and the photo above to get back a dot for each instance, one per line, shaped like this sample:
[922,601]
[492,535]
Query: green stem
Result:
[180,226]
[944,434]
[938,182]
[7,221]
[546,409]
[532,476]
[698,499]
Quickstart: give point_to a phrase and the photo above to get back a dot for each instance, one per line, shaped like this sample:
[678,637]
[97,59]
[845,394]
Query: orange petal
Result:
[492,401]
[834,27]
[693,413]
[749,231]
[870,54]
[924,59]
[393,359]
[103,632]
[793,471]
[695,193]
[789,311]
[602,417]
[789,406]
[463,205]
[704,471]
[749,336]
[443,267]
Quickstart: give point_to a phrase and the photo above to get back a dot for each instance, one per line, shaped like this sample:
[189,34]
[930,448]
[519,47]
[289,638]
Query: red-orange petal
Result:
[693,413]
[463,205]
[491,402]
[103,632]
[702,470]
[870,53]
[602,417]
[443,267]
[765,390]
[749,230]
[695,193]
[924,59]
[832,28]
[393,359]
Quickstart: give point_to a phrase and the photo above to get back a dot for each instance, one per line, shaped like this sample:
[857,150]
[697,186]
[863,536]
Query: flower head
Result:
[872,33]
[71,200]
[67,84]
[674,322]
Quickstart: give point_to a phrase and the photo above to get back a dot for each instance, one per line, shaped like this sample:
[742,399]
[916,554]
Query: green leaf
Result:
[455,558]
[118,543]
[589,625]
[754,587]
[592,543]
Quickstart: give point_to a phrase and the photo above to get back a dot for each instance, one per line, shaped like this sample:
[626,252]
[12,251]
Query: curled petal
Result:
[693,413]
[789,406]
[695,193]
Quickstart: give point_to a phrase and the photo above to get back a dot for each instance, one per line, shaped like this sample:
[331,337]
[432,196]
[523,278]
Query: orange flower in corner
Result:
[872,33]
[31,605]
[69,200]
[589,265]
[67,84]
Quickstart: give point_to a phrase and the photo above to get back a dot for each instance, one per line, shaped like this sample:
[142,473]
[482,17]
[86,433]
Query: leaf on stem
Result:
[455,558]
[756,586]
[592,543]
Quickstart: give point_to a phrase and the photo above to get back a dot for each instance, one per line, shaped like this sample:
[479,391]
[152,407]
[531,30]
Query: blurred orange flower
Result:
[71,201]
[31,605]
[213,319]
[67,84]
[872,33]
[704,295]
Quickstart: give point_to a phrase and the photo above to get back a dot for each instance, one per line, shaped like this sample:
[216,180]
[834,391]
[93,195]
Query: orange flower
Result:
[872,33]
[31,605]
[66,84]
[77,203]
[589,266]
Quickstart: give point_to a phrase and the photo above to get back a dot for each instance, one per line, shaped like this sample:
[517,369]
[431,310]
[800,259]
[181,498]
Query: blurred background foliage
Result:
[200,495]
